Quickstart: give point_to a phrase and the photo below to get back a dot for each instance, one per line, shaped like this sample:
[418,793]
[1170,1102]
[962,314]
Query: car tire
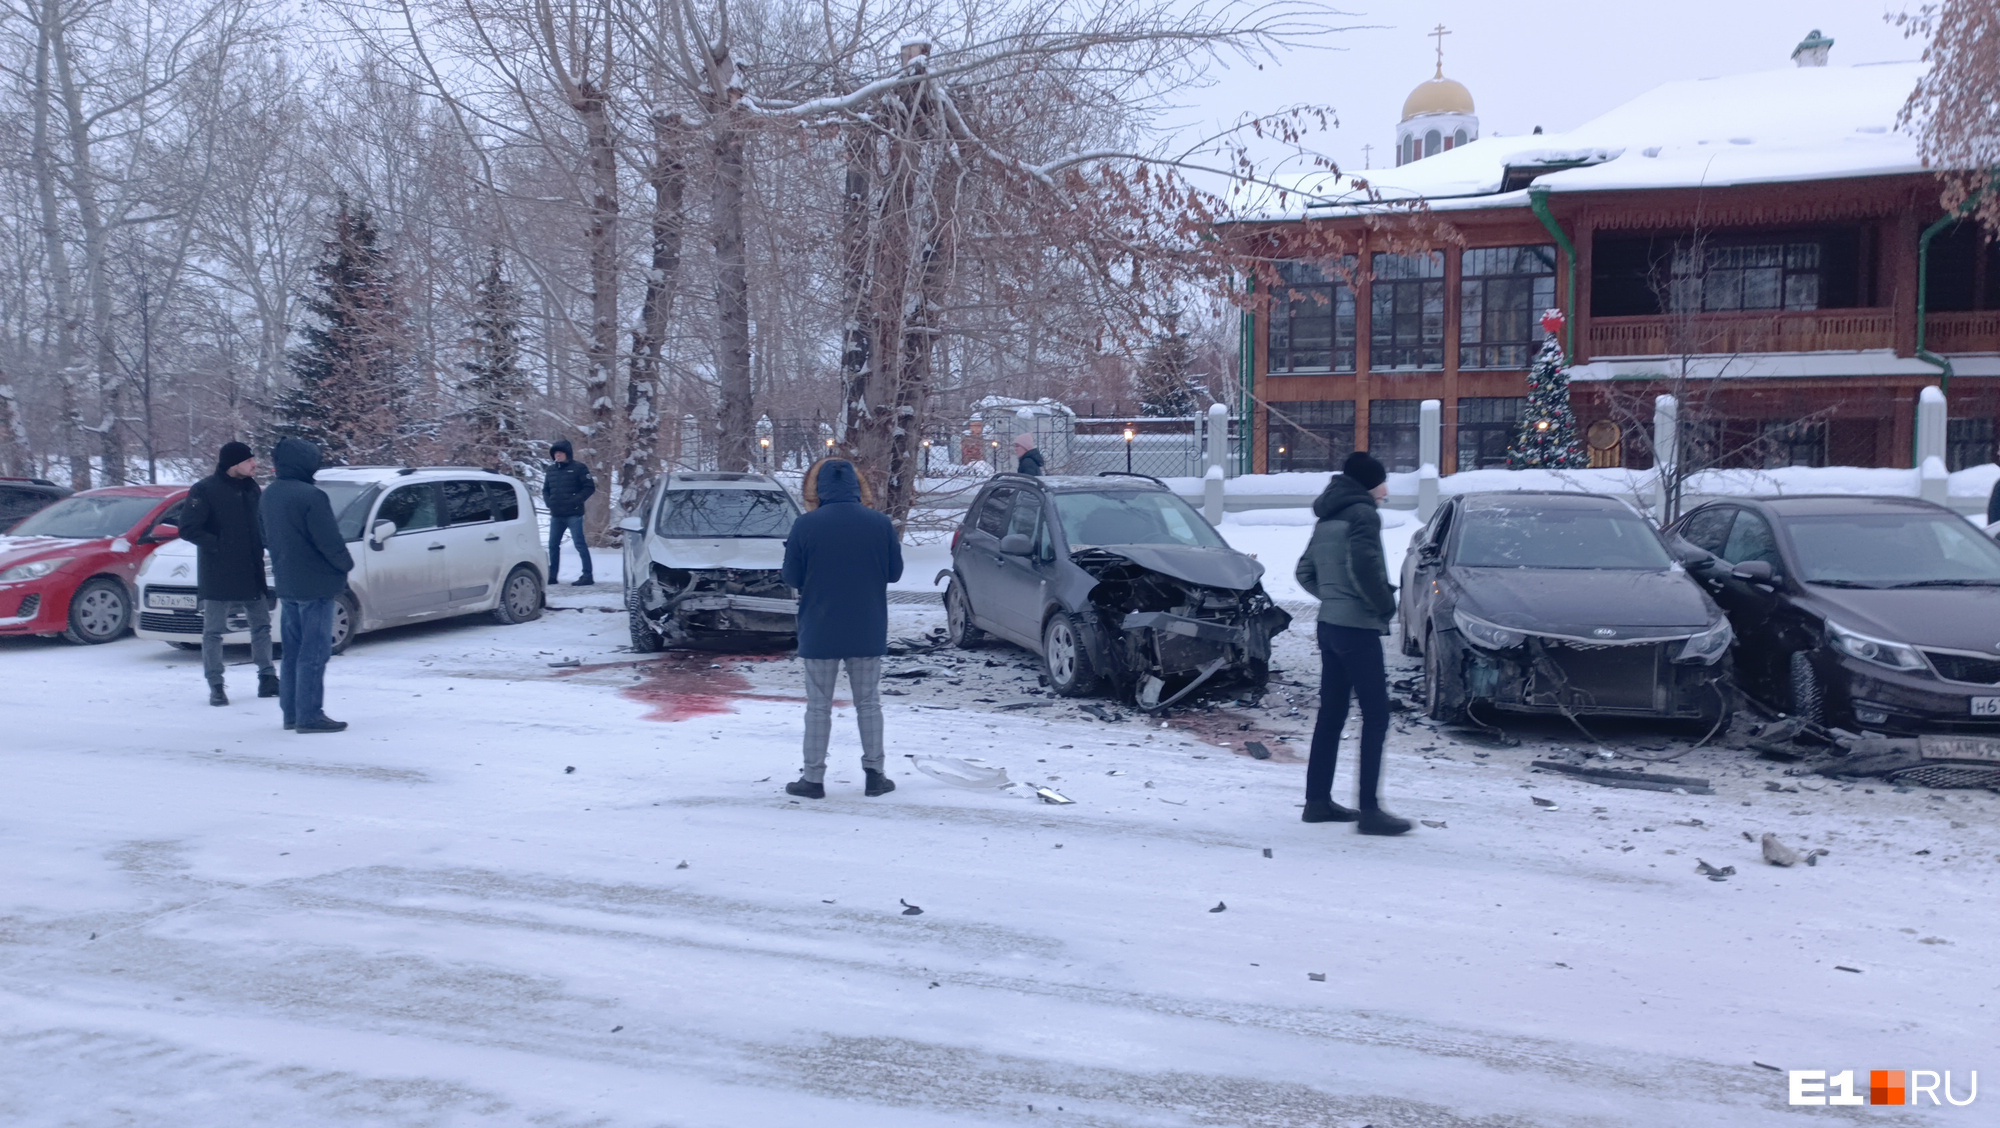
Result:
[1064,657]
[99,612]
[1806,696]
[645,640]
[346,621]
[958,627]
[520,597]
[1444,698]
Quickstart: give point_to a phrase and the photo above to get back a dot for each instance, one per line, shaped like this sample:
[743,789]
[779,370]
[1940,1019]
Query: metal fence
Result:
[1090,445]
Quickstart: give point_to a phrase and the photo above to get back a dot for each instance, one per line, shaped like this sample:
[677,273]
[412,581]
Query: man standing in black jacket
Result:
[310,562]
[566,486]
[220,520]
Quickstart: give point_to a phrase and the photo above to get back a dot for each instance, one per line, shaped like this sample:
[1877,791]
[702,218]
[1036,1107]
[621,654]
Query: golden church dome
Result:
[1439,95]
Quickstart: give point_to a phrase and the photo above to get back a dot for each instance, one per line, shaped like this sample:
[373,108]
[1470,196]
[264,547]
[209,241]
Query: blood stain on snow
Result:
[684,685]
[1223,728]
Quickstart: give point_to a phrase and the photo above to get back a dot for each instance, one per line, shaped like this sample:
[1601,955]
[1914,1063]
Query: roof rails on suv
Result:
[424,469]
[30,481]
[1129,474]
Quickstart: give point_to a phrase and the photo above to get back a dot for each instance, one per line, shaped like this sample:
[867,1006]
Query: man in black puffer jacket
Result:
[220,520]
[566,486]
[1343,568]
[310,562]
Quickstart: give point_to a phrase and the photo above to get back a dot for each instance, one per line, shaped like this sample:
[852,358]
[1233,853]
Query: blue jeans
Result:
[307,628]
[573,526]
[1350,662]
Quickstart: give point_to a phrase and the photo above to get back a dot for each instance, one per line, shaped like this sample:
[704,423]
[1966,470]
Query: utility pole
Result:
[146,377]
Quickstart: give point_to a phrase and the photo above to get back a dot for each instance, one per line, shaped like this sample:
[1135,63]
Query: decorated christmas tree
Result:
[1548,439]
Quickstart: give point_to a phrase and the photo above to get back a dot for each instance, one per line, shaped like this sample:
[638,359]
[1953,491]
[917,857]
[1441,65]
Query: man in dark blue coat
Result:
[566,487]
[309,562]
[220,520]
[841,559]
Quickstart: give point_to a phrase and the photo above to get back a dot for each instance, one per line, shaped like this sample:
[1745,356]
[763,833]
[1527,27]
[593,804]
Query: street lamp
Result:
[1128,450]
[766,444]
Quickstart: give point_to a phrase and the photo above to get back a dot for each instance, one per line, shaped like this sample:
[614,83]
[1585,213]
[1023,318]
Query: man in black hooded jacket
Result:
[310,562]
[220,520]
[566,486]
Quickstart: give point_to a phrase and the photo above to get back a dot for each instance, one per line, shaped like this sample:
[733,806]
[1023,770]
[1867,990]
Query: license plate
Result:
[1985,748]
[170,601]
[1986,706]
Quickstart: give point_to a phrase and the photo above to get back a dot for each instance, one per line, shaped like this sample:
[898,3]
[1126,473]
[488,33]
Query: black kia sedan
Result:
[1862,612]
[1562,603]
[1116,582]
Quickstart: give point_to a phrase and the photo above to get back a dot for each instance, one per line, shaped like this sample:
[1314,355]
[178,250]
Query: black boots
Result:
[267,685]
[582,581]
[215,694]
[806,789]
[1328,812]
[324,724]
[879,783]
[1381,822]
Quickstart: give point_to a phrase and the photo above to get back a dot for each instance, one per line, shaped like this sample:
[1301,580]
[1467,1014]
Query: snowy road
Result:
[429,920]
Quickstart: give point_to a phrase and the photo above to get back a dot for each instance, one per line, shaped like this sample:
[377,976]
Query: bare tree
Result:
[1953,102]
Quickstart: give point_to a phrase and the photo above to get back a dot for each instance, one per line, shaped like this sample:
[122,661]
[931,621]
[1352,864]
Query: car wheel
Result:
[1807,696]
[958,627]
[1065,659]
[346,620]
[645,640]
[1444,698]
[98,612]
[520,597]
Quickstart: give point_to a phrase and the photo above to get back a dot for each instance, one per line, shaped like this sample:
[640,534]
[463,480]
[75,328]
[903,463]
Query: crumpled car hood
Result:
[1209,567]
[719,552]
[1575,601]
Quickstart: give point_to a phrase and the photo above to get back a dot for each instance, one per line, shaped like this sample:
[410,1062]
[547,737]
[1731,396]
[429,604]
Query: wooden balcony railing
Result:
[1977,332]
[1772,332]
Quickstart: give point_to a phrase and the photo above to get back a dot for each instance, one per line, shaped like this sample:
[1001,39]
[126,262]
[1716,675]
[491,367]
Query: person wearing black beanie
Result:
[220,520]
[1343,568]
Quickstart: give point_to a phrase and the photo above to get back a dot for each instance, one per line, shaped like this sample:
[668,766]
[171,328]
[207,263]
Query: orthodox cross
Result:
[1438,33]
[1365,151]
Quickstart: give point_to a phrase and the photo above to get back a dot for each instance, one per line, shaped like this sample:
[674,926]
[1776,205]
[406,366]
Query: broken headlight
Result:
[1708,646]
[1880,651]
[1491,636]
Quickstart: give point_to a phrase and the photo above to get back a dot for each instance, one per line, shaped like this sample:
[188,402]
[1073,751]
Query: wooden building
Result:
[1751,244]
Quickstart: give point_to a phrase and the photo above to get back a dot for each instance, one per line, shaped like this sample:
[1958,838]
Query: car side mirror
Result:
[160,534]
[1755,572]
[1429,553]
[379,534]
[632,524]
[1017,544]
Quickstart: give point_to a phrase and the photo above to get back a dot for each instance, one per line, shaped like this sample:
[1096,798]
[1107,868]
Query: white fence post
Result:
[1218,437]
[1430,444]
[1666,422]
[1933,480]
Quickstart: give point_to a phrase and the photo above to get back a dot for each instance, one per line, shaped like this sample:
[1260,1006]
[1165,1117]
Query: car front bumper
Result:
[1635,680]
[35,607]
[1868,696]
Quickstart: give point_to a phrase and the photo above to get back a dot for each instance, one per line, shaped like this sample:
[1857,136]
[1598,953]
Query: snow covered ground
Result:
[431,919]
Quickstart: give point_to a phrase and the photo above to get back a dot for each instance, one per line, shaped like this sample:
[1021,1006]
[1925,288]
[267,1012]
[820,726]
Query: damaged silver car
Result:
[1116,582]
[704,560]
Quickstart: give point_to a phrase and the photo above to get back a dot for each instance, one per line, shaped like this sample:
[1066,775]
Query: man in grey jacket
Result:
[1344,569]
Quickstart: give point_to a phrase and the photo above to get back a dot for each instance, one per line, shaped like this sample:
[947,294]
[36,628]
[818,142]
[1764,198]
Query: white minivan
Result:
[428,542]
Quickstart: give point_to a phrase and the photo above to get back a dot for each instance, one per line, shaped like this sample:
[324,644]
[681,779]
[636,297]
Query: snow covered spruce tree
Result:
[1164,386]
[1548,439]
[495,388]
[350,392]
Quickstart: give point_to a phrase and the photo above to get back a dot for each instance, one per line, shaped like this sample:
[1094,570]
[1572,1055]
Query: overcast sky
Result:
[1553,63]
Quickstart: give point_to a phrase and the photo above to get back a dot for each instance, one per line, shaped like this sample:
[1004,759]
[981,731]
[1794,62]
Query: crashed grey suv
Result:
[1115,582]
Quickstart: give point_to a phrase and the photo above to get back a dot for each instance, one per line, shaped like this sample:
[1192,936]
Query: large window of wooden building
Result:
[1968,443]
[1309,435]
[1312,321]
[1393,432]
[1739,272]
[1486,428]
[1406,312]
[1502,292]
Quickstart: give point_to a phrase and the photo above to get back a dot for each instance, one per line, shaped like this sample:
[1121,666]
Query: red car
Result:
[68,570]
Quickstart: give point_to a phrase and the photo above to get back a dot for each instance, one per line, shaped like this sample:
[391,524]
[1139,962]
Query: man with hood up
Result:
[566,486]
[841,558]
[309,562]
[1027,456]
[1343,568]
[220,520]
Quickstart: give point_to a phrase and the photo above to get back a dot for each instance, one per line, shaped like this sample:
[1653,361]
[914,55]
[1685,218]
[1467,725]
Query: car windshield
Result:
[351,501]
[87,517]
[1132,517]
[1893,550]
[725,513]
[1525,537]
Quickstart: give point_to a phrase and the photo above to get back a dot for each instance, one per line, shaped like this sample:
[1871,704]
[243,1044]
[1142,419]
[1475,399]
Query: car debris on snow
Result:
[566,664]
[1930,760]
[1050,795]
[909,909]
[1640,781]
[1711,872]
[1256,749]
[1777,853]
[1844,967]
[1219,907]
[1316,976]
[1434,824]
[958,771]
[682,866]
[1541,802]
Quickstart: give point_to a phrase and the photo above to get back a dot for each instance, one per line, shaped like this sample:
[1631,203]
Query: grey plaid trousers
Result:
[864,682]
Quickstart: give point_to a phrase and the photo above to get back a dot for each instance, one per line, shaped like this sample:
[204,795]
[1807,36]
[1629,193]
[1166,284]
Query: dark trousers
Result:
[574,526]
[1350,661]
[307,628]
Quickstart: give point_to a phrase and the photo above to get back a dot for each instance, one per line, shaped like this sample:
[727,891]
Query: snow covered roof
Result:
[1796,124]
